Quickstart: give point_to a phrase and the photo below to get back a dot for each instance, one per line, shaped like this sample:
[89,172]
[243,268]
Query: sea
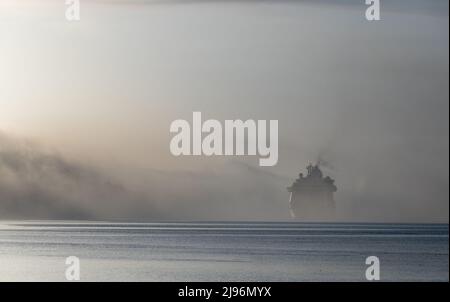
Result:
[222,251]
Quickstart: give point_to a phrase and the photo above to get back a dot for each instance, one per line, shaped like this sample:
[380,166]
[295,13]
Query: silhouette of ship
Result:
[311,196]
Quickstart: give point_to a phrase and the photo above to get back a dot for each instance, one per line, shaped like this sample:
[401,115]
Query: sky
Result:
[85,107]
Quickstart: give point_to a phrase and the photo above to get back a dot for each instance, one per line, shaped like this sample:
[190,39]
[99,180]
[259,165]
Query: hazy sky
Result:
[85,107]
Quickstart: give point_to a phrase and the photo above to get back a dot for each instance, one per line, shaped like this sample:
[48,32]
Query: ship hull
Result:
[312,207]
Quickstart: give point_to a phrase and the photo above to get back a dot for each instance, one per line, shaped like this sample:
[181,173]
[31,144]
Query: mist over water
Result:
[39,184]
[368,101]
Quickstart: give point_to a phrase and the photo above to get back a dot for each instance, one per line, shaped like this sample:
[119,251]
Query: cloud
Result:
[37,184]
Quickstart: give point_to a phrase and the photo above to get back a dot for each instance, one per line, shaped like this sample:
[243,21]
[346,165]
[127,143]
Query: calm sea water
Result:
[36,251]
